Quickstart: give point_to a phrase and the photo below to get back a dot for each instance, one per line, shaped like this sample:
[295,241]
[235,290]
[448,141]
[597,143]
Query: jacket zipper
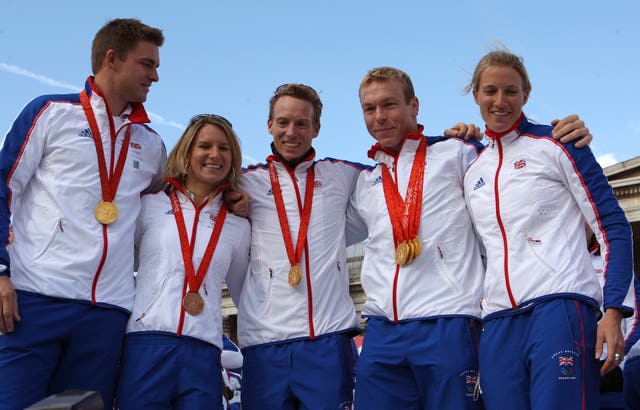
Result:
[505,246]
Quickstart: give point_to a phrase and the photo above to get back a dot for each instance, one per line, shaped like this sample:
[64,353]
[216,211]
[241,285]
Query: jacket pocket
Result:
[46,237]
[442,268]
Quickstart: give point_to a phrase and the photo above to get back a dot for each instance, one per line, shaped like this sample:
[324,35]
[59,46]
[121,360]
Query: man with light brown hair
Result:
[74,166]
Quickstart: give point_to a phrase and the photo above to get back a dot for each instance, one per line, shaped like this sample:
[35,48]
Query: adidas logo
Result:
[377,181]
[86,133]
[479,184]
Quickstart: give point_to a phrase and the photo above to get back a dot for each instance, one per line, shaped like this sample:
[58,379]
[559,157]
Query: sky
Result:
[227,58]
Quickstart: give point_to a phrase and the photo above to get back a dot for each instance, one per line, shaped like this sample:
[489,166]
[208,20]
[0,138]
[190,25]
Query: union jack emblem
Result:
[471,379]
[317,183]
[565,361]
[520,164]
[135,145]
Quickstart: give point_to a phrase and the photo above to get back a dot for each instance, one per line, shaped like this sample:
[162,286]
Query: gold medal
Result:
[412,252]
[106,212]
[402,253]
[417,247]
[295,275]
[193,303]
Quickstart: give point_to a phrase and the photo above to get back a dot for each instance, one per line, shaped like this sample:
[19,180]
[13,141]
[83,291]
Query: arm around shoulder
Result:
[571,128]
[240,261]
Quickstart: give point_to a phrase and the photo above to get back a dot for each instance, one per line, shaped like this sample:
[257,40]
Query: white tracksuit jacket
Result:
[446,279]
[49,163]
[270,310]
[161,275]
[529,197]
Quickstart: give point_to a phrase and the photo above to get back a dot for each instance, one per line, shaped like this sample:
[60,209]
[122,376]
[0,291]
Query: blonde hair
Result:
[502,57]
[387,74]
[177,162]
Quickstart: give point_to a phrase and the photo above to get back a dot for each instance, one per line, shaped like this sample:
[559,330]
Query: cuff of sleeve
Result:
[625,310]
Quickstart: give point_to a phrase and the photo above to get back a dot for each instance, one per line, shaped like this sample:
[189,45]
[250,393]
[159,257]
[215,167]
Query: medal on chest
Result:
[192,302]
[106,211]
[294,254]
[404,214]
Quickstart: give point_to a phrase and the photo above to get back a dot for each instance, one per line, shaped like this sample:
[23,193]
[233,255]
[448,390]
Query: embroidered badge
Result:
[565,360]
[470,378]
[519,164]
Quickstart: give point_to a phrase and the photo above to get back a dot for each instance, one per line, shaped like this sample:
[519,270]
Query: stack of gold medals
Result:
[405,214]
[408,251]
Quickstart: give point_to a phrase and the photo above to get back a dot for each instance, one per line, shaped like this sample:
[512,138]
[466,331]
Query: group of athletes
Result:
[480,288]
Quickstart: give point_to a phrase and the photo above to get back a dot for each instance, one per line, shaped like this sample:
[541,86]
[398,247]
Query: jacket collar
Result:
[137,112]
[516,129]
[410,141]
[174,183]
[297,165]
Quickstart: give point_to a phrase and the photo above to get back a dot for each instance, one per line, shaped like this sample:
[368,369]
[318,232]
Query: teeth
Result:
[291,144]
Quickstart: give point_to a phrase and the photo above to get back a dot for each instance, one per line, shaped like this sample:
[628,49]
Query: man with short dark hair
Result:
[74,166]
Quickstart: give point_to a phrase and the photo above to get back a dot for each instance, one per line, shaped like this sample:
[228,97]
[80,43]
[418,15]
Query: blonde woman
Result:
[187,244]
[528,196]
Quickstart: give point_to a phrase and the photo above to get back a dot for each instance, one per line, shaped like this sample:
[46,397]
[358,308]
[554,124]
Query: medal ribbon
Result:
[109,182]
[195,279]
[405,214]
[294,257]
